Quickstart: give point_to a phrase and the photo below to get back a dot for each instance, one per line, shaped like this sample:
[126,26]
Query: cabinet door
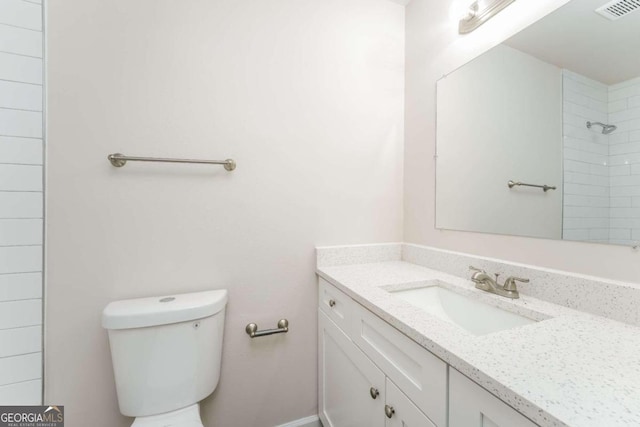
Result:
[401,412]
[419,373]
[346,377]
[472,406]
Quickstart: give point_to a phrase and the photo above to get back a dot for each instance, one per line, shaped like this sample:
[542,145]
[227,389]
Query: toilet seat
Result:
[185,417]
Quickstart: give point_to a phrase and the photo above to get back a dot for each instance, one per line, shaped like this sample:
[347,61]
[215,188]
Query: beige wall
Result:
[306,95]
[433,49]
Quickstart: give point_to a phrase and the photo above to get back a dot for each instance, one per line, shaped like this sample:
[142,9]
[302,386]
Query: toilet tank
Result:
[166,351]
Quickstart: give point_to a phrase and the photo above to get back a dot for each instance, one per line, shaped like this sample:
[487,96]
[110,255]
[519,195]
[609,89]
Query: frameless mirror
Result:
[540,136]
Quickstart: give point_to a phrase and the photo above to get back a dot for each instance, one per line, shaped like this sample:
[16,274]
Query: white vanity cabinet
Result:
[372,375]
[353,391]
[352,388]
[401,412]
[418,373]
[472,406]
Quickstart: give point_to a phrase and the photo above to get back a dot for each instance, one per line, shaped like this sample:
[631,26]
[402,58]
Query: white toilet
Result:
[166,355]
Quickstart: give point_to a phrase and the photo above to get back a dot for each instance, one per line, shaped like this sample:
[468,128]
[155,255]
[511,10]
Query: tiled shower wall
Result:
[21,201]
[601,172]
[586,152]
[624,161]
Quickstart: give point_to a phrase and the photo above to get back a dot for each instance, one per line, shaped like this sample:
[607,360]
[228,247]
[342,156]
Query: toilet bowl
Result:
[187,417]
[166,354]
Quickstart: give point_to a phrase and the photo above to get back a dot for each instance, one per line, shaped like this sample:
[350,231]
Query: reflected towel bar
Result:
[545,187]
[119,160]
[253,332]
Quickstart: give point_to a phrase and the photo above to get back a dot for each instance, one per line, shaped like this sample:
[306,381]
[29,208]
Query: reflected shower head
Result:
[606,129]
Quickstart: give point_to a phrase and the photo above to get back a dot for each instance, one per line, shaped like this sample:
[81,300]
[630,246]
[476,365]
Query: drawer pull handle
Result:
[374,392]
[389,411]
[332,303]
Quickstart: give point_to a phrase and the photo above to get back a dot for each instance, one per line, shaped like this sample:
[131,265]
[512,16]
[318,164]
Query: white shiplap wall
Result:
[21,206]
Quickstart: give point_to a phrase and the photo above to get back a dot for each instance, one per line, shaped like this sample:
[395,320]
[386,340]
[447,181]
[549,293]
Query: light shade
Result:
[480,12]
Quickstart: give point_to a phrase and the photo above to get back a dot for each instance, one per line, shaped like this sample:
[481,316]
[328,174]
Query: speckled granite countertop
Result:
[572,369]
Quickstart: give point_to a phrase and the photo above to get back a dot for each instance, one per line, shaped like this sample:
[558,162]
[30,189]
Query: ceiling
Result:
[401,2]
[575,37]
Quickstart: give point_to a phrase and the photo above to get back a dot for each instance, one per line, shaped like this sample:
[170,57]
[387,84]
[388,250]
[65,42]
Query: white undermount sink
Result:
[471,315]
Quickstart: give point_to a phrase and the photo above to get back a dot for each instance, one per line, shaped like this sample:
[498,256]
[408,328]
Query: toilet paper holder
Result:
[253,332]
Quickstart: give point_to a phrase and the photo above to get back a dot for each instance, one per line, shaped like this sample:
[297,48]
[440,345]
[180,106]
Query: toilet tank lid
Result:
[163,310]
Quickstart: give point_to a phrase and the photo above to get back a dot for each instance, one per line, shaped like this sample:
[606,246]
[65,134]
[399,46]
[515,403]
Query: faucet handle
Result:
[471,267]
[510,283]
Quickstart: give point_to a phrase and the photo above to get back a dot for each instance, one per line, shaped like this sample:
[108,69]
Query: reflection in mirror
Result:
[557,105]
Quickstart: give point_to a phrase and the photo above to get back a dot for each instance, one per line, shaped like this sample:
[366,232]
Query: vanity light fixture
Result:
[480,12]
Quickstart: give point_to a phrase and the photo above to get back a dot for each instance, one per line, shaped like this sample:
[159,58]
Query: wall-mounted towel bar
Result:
[253,332]
[119,160]
[545,187]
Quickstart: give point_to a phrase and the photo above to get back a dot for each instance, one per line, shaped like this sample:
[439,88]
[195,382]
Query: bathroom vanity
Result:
[371,371]
[401,344]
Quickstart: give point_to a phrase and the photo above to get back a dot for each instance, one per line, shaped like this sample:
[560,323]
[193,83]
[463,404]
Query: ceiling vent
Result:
[618,8]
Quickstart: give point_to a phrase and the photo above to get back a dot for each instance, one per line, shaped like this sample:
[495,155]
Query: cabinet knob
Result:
[389,411]
[374,392]
[332,303]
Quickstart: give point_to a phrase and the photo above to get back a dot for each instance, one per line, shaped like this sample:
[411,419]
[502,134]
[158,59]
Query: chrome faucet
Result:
[487,283]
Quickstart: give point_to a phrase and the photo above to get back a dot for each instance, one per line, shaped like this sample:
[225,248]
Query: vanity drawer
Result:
[417,372]
[336,305]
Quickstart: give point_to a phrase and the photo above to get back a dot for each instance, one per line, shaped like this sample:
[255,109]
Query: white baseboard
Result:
[312,421]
